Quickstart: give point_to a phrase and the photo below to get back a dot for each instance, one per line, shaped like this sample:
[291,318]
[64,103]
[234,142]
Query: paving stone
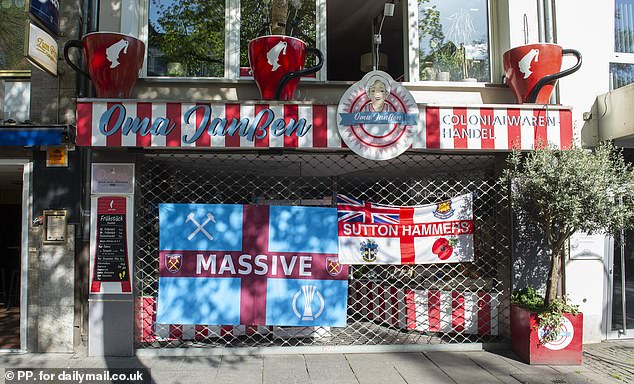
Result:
[329,369]
[373,368]
[285,369]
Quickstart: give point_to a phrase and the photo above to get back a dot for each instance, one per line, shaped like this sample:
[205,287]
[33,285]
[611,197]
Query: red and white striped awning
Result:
[102,123]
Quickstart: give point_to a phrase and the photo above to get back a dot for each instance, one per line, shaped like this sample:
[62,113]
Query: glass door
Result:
[621,292]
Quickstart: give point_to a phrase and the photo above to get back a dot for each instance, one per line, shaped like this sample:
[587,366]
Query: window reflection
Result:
[624,26]
[256,21]
[621,74]
[454,42]
[12,35]
[186,38]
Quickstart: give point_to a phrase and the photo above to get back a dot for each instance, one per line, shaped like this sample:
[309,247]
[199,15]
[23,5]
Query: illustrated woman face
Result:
[378,91]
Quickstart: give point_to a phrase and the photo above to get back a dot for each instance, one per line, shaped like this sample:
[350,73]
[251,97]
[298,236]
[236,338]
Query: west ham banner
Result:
[229,264]
[425,234]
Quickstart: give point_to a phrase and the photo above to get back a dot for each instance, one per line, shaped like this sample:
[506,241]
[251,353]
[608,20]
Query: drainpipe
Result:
[541,31]
[548,21]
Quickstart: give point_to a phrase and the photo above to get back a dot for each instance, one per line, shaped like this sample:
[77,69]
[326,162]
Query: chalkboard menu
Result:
[111,250]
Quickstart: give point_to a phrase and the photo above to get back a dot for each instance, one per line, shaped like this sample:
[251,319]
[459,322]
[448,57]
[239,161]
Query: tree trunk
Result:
[279,10]
[552,283]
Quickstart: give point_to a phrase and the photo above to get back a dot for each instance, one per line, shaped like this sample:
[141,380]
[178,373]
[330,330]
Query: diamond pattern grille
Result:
[387,305]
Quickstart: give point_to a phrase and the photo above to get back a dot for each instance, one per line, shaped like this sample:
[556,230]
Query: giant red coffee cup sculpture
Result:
[532,70]
[113,61]
[278,62]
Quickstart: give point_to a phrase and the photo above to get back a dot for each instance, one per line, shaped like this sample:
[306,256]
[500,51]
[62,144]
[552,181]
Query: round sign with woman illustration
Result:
[377,117]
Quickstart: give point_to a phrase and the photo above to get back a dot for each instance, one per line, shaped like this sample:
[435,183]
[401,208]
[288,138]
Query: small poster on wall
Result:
[110,262]
[425,234]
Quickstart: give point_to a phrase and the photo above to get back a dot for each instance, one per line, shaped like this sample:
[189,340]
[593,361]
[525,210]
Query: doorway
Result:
[621,287]
[14,187]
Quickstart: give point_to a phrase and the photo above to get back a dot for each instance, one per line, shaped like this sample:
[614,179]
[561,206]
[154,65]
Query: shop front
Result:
[152,154]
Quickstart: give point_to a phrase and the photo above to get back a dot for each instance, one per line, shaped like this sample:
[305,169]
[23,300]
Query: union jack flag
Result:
[351,210]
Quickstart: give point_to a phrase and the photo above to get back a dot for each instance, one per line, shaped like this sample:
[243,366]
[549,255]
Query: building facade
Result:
[153,147]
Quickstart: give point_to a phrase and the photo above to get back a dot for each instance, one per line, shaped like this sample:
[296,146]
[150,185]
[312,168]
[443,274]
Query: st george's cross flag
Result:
[425,234]
[230,264]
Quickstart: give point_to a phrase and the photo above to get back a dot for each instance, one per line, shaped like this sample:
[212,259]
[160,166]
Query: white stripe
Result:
[527,130]
[213,331]
[501,130]
[445,128]
[98,139]
[421,303]
[420,140]
[334,140]
[495,302]
[278,113]
[158,110]
[376,300]
[218,111]
[129,140]
[189,331]
[471,313]
[474,128]
[162,331]
[306,112]
[401,313]
[247,111]
[188,130]
[445,311]
[553,132]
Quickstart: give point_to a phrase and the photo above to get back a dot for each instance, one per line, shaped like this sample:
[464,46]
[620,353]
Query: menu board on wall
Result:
[110,262]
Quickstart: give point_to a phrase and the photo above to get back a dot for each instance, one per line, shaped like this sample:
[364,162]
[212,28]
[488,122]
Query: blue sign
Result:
[46,14]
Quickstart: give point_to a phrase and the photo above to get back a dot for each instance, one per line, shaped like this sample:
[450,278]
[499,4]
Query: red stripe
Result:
[232,111]
[113,140]
[432,127]
[263,142]
[394,307]
[460,142]
[144,110]
[226,330]
[148,318]
[84,124]
[484,313]
[565,128]
[251,330]
[320,126]
[541,135]
[487,130]
[95,287]
[255,236]
[204,140]
[410,308]
[174,114]
[176,331]
[291,111]
[201,332]
[125,286]
[383,304]
[514,130]
[433,306]
[408,256]
[457,311]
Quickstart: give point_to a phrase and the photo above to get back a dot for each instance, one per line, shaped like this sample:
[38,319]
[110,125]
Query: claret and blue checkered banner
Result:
[231,264]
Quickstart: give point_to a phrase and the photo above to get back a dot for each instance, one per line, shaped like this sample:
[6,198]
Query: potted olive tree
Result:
[562,192]
[278,59]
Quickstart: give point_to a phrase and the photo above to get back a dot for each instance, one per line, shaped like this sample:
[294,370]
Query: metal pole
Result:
[548,21]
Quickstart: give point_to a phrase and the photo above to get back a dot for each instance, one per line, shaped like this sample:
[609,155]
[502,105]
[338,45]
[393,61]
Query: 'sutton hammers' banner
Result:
[229,264]
[425,234]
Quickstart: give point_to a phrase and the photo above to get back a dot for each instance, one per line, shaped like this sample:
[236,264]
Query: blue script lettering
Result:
[160,126]
[263,123]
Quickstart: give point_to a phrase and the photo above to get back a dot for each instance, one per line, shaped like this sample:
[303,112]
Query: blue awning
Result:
[31,135]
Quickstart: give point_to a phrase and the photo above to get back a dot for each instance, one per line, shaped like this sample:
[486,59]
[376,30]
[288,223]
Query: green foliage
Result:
[550,317]
[12,38]
[563,192]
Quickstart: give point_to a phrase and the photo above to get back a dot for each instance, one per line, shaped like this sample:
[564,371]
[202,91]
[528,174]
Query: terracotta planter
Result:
[525,340]
[277,63]
[532,70]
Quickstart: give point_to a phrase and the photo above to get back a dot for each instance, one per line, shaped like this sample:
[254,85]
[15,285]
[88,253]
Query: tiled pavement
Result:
[610,362]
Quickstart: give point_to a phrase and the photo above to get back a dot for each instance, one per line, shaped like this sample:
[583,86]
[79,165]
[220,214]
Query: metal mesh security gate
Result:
[387,305]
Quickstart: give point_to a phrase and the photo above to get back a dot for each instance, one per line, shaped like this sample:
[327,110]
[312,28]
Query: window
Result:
[186,38]
[622,67]
[12,35]
[453,40]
